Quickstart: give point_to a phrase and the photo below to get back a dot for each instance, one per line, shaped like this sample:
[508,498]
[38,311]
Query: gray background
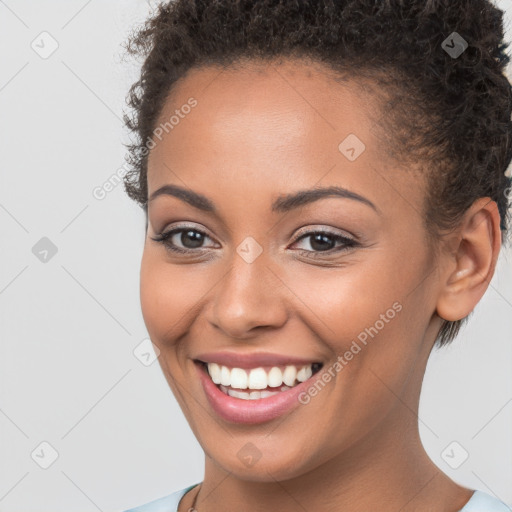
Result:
[69,326]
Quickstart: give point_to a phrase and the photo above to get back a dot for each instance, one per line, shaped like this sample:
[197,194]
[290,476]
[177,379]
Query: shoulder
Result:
[167,503]
[481,501]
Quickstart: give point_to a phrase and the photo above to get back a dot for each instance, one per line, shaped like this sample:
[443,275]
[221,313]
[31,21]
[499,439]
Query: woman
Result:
[326,199]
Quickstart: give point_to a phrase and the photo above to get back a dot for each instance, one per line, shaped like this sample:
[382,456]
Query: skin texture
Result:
[257,133]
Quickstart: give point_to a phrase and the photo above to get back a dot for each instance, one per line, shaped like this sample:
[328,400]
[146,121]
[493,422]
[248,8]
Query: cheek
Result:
[367,316]
[160,302]
[170,295]
[342,304]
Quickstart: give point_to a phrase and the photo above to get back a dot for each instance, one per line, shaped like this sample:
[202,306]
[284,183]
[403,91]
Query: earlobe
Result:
[469,269]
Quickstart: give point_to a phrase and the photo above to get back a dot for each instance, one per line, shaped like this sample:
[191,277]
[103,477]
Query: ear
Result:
[469,267]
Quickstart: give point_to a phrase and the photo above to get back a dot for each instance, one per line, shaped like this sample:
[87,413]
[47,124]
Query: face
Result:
[344,280]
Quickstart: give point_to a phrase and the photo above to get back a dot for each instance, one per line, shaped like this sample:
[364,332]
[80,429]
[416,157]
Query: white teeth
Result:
[239,378]
[238,394]
[289,375]
[214,371]
[266,394]
[225,376]
[253,395]
[258,378]
[275,377]
[304,373]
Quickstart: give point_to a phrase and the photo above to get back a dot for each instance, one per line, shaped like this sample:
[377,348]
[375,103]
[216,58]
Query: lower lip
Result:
[238,410]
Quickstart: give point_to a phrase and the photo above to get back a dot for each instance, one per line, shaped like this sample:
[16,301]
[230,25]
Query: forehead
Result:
[268,108]
[259,129]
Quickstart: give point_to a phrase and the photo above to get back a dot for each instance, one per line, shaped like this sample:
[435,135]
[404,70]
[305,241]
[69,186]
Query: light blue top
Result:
[479,502]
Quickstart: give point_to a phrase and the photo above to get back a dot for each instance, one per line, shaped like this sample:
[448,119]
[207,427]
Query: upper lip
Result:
[254,360]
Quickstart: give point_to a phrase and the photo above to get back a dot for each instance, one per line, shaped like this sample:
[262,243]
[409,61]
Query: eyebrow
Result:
[283,203]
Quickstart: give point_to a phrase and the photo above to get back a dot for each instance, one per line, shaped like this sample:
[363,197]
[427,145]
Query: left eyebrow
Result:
[288,202]
[283,203]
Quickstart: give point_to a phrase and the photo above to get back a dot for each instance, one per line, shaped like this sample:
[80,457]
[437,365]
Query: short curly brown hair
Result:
[449,112]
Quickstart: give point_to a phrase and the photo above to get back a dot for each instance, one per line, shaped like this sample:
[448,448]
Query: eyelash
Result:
[164,238]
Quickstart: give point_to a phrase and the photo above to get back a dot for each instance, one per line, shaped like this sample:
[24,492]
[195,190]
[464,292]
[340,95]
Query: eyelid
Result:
[321,228]
[187,225]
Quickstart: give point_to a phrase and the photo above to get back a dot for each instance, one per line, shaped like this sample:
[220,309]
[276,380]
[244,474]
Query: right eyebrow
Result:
[193,198]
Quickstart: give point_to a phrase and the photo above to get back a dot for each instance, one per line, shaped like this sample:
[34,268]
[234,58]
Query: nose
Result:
[248,299]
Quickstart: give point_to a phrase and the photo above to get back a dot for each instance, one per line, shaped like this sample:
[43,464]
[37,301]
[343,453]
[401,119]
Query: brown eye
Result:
[325,241]
[190,239]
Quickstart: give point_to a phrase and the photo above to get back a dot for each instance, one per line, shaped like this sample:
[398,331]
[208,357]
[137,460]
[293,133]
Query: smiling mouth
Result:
[260,382]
